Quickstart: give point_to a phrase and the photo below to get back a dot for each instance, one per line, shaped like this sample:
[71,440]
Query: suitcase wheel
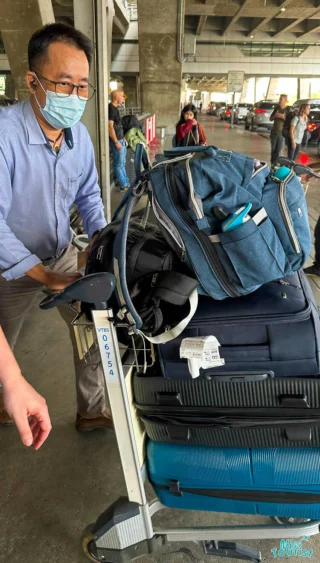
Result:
[88,544]
[287,521]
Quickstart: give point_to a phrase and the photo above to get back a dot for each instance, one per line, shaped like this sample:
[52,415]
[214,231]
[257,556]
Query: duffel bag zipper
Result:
[286,214]
[199,214]
[256,172]
[202,239]
[171,228]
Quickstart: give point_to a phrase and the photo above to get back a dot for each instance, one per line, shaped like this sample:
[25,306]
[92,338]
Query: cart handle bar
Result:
[94,288]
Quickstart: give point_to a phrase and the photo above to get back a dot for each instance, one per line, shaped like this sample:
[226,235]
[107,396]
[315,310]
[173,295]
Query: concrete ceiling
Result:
[278,20]
[207,83]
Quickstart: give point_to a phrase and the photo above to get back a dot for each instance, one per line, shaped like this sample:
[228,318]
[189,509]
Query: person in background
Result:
[47,163]
[26,407]
[297,130]
[200,107]
[278,117]
[188,131]
[117,143]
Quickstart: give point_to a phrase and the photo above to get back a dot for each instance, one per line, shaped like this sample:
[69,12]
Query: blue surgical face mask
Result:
[61,112]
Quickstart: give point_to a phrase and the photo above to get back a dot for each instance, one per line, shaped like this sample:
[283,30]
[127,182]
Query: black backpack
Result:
[287,122]
[159,283]
[130,122]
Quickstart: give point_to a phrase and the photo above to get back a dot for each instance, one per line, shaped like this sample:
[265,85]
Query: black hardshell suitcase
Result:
[234,410]
[251,401]
[276,328]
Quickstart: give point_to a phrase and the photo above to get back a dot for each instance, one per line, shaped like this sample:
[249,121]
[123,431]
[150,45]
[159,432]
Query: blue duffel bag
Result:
[192,192]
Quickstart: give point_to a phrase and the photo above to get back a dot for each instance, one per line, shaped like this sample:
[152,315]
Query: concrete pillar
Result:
[273,89]
[10,87]
[130,89]
[245,91]
[110,18]
[18,21]
[304,88]
[160,70]
[90,16]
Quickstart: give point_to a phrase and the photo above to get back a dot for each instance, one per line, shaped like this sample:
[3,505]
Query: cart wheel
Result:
[88,544]
[282,520]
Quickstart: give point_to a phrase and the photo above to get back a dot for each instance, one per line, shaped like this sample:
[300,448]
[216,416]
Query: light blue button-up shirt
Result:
[37,189]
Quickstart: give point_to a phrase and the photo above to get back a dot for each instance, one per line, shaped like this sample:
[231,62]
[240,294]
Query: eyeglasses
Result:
[64,89]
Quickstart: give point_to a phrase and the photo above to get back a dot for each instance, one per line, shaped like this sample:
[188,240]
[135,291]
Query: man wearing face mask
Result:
[46,165]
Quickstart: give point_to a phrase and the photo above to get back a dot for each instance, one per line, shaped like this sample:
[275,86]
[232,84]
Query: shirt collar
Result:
[34,132]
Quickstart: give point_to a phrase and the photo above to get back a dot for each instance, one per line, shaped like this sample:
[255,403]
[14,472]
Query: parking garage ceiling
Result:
[277,20]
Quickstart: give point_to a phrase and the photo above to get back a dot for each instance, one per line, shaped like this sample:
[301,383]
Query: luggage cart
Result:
[125,532]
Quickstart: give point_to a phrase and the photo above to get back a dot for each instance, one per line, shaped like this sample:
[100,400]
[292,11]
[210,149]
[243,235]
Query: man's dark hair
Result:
[53,33]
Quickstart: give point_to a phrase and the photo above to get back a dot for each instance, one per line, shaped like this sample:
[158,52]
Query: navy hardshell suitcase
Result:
[276,328]
[270,482]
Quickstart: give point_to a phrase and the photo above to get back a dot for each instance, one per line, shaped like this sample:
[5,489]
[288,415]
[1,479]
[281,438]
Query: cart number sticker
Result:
[107,354]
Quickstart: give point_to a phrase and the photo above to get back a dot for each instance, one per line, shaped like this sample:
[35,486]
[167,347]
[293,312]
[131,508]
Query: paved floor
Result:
[47,498]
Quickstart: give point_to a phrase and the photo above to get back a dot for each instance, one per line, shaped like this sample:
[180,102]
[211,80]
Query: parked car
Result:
[226,113]
[259,115]
[313,126]
[242,111]
[314,104]
[220,108]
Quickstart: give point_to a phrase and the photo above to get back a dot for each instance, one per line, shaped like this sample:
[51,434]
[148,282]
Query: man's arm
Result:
[15,259]
[27,408]
[88,197]
[112,134]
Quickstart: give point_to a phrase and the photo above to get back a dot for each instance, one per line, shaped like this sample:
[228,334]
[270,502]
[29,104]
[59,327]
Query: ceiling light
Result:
[251,36]
[283,9]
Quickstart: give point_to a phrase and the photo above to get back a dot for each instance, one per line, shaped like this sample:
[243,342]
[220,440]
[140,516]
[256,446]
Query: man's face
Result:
[283,102]
[120,98]
[62,63]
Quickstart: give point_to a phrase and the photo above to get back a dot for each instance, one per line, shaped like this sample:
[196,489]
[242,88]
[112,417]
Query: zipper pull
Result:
[100,253]
[154,280]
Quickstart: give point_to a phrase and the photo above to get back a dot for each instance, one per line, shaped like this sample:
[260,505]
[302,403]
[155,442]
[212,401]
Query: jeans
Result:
[277,143]
[293,153]
[17,298]
[119,163]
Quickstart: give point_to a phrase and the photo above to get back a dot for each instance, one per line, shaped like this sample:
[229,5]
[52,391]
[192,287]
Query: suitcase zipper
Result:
[257,496]
[262,319]
[286,214]
[202,239]
[227,423]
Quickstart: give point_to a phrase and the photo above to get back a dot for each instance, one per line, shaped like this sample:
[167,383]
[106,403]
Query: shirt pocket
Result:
[71,190]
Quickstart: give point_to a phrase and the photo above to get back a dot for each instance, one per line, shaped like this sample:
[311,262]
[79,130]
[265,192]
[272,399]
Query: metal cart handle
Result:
[94,288]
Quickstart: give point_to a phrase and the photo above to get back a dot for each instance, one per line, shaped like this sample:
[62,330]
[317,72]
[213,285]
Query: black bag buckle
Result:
[174,488]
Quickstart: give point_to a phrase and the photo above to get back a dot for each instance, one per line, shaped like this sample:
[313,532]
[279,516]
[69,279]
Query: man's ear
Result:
[31,82]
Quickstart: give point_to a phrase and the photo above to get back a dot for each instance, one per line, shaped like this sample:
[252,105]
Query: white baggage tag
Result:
[201,352]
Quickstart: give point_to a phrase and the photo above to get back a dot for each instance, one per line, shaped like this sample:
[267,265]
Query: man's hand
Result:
[58,281]
[119,146]
[279,116]
[88,248]
[28,410]
[294,145]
